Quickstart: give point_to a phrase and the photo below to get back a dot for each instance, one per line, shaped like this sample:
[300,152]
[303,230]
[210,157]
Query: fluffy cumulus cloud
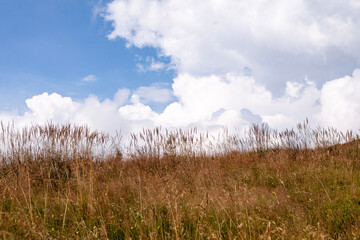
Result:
[279,41]
[208,103]
[104,115]
[340,100]
[215,99]
[275,59]
[238,63]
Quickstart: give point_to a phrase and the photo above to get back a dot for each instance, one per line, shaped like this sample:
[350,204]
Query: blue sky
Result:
[51,45]
[180,63]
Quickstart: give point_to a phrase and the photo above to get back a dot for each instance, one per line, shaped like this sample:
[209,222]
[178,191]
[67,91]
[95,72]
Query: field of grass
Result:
[67,182]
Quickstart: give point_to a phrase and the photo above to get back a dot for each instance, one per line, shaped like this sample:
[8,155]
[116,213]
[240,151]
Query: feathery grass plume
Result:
[69,182]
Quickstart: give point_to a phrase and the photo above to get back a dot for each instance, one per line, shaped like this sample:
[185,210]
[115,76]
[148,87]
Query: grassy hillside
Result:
[67,182]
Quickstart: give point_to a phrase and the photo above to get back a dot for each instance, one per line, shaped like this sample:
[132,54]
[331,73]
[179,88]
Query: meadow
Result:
[68,182]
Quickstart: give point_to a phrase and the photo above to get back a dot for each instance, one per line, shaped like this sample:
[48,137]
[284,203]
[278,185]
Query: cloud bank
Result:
[238,63]
[209,103]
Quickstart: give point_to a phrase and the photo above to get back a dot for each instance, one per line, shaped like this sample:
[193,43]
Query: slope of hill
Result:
[66,182]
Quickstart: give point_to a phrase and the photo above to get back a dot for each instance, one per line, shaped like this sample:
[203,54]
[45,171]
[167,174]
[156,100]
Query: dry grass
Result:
[67,182]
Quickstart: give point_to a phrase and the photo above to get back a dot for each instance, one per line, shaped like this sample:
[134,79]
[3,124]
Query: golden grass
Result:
[67,182]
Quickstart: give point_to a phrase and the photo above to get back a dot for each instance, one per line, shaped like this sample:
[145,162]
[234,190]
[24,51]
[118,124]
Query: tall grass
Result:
[68,182]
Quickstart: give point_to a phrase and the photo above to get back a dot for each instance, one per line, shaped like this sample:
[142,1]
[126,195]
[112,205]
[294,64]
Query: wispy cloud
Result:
[97,10]
[151,64]
[89,78]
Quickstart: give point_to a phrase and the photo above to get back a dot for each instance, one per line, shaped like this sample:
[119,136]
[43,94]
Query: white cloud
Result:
[154,94]
[90,78]
[45,107]
[355,3]
[150,64]
[213,44]
[156,66]
[105,116]
[238,62]
[293,88]
[137,111]
[340,100]
[121,96]
[280,41]
[210,104]
[200,97]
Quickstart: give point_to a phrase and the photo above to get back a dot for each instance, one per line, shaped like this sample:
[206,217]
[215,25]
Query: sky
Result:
[133,64]
[54,45]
